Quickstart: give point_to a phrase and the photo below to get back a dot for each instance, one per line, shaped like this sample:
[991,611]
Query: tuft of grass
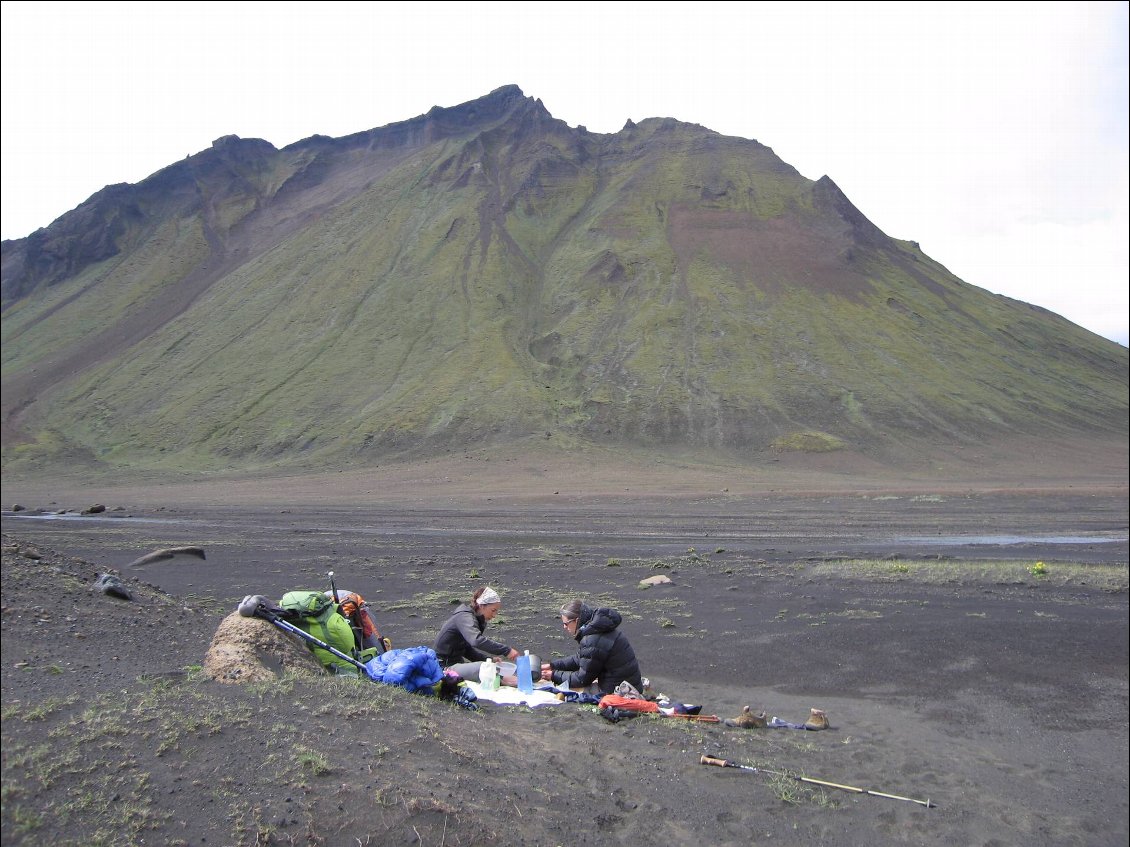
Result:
[26,821]
[787,790]
[39,711]
[314,761]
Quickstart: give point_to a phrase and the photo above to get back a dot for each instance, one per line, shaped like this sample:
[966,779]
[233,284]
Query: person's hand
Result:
[513,654]
[547,673]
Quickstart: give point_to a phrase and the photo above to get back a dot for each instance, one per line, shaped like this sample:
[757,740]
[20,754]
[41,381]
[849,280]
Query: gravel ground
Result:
[951,669]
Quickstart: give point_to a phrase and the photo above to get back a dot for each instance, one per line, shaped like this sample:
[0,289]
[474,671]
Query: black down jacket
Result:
[605,656]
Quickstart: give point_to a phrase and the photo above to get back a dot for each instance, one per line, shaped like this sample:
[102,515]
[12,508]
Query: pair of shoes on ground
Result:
[748,719]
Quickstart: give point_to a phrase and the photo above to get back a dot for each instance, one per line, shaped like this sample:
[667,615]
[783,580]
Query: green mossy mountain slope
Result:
[487,274]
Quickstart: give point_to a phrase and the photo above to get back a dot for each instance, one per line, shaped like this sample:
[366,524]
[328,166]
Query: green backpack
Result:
[317,614]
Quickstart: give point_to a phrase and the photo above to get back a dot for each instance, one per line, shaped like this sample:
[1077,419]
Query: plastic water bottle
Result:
[488,674]
[525,680]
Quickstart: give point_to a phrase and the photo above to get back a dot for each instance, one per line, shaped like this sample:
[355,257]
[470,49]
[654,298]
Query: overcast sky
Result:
[994,134]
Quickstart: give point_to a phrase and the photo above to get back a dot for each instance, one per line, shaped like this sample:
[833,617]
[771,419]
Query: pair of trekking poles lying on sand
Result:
[726,763]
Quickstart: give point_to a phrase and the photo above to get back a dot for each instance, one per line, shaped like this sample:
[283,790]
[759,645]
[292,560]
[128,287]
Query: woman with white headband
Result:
[461,645]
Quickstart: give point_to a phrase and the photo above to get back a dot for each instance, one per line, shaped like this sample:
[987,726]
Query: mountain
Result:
[486,274]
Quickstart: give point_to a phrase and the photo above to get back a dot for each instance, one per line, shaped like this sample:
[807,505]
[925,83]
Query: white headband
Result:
[488,596]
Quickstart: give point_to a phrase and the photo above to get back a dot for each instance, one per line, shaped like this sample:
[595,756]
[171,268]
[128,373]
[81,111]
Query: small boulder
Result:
[112,586]
[659,579]
[252,650]
[168,553]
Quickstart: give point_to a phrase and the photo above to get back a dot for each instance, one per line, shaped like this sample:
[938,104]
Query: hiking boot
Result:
[818,719]
[748,719]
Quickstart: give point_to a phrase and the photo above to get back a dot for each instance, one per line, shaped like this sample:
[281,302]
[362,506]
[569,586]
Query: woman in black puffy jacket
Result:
[605,658]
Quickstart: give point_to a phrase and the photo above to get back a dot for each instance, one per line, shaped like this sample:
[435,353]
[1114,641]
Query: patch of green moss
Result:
[808,442]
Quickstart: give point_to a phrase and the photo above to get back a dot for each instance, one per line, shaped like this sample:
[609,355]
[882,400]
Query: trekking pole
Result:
[261,611]
[726,763]
[333,588]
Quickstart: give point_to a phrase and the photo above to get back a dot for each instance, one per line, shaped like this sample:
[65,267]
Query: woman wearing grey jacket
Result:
[461,645]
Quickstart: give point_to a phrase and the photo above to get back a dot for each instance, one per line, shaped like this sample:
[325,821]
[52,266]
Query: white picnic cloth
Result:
[509,696]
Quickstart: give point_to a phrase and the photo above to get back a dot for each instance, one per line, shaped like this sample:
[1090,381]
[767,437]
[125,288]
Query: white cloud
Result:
[995,134]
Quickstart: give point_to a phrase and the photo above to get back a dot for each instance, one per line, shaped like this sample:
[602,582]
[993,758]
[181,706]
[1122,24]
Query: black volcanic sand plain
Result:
[953,667]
